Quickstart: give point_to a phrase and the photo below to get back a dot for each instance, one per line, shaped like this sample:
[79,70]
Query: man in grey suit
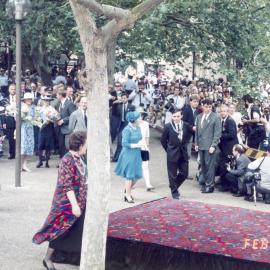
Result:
[78,119]
[207,136]
[65,109]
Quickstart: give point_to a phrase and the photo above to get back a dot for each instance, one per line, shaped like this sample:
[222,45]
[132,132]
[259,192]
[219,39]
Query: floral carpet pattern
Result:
[198,227]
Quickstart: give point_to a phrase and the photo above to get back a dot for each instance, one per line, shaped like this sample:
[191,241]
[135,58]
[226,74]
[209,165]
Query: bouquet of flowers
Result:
[11,110]
[50,115]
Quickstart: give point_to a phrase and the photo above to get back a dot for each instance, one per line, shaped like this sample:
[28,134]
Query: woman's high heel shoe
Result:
[127,200]
[47,267]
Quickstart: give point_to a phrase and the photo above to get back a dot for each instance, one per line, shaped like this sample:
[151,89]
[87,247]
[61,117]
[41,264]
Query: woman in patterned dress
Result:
[63,227]
[129,164]
[27,130]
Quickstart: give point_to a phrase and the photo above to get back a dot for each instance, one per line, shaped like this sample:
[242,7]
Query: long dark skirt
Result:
[67,247]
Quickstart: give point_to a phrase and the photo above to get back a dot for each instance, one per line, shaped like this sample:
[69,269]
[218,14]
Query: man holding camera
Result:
[255,130]
[140,97]
[260,167]
[174,101]
[233,179]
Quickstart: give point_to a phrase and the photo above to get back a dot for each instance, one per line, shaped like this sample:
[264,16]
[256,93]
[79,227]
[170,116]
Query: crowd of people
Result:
[51,113]
[195,116]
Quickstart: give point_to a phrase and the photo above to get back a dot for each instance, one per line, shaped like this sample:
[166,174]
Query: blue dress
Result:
[129,163]
[27,134]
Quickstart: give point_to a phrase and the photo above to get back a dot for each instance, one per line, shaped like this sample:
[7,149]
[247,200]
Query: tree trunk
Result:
[40,61]
[111,48]
[98,158]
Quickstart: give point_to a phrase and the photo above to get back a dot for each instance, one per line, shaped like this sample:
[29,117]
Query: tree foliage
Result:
[233,33]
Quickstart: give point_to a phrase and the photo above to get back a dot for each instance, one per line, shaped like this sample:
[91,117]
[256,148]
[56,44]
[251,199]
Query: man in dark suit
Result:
[65,108]
[9,123]
[227,140]
[207,136]
[122,107]
[190,112]
[175,138]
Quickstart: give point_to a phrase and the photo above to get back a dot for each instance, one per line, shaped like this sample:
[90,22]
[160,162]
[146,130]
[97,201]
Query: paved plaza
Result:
[23,210]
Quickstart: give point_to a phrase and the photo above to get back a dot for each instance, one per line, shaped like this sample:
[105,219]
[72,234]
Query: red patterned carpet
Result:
[197,227]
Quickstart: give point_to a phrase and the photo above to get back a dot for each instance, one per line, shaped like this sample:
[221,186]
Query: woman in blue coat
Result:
[129,163]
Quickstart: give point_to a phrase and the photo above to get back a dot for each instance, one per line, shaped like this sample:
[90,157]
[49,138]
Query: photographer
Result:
[233,179]
[263,185]
[255,131]
[140,97]
[174,101]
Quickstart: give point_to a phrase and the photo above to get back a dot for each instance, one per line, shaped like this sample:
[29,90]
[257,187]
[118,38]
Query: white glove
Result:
[136,145]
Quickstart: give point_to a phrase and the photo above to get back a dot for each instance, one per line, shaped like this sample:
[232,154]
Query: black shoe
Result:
[40,164]
[47,267]
[223,189]
[150,188]
[266,198]
[190,178]
[203,188]
[238,194]
[47,165]
[249,198]
[208,190]
[128,201]
[11,157]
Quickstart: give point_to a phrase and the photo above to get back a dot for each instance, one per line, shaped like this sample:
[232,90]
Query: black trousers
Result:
[177,173]
[11,141]
[62,145]
[119,142]
[230,181]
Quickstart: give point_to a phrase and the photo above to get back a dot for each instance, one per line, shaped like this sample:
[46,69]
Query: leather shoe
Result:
[47,267]
[208,190]
[11,157]
[248,198]
[238,194]
[203,188]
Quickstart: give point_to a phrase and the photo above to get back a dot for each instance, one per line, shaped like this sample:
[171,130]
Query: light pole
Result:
[18,9]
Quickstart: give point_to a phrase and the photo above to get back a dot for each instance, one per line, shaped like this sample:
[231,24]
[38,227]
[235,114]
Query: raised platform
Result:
[168,234]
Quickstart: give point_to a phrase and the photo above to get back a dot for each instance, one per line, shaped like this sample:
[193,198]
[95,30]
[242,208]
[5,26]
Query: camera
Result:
[256,177]
[170,106]
[231,161]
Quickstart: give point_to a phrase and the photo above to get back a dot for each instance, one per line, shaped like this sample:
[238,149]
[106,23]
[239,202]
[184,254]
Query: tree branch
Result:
[133,15]
[110,12]
[85,23]
[142,9]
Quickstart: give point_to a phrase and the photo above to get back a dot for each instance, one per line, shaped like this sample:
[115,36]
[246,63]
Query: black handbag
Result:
[145,155]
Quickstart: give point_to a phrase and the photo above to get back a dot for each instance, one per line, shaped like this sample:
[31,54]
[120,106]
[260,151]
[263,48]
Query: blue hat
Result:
[133,116]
